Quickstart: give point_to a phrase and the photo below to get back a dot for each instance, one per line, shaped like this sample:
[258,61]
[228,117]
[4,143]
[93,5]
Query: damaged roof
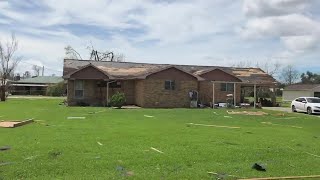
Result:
[131,70]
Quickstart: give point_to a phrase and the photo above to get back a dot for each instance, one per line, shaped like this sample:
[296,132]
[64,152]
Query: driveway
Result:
[283,109]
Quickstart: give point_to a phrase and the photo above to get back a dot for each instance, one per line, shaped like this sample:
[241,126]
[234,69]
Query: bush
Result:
[56,90]
[118,100]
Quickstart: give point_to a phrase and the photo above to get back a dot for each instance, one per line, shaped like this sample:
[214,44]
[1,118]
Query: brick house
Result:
[157,85]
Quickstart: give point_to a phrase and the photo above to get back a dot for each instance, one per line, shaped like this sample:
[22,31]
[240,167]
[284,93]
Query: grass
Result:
[58,148]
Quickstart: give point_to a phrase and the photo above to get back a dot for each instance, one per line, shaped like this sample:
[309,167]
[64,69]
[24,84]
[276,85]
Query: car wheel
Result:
[293,109]
[309,110]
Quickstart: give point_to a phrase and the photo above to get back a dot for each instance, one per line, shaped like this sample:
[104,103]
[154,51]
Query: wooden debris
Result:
[287,177]
[5,163]
[227,116]
[13,124]
[157,150]
[148,116]
[305,152]
[211,125]
[218,174]
[100,143]
[251,113]
[76,117]
[5,148]
[313,154]
[269,123]
[129,173]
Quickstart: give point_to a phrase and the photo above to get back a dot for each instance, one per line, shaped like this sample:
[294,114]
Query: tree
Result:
[9,61]
[310,78]
[26,74]
[36,69]
[72,53]
[289,74]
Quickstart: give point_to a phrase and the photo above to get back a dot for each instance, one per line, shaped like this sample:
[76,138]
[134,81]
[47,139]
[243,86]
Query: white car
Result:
[310,105]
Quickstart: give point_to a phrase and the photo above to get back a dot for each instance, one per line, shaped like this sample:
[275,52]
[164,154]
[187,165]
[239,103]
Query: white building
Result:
[300,90]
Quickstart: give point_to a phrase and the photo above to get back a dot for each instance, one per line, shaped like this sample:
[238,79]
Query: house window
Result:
[78,89]
[169,85]
[227,87]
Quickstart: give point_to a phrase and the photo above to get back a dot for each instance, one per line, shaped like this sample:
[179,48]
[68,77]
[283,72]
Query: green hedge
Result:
[56,90]
[118,100]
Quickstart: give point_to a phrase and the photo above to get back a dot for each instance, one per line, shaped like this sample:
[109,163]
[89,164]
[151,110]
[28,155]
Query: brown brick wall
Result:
[128,88]
[139,93]
[97,96]
[155,94]
[205,92]
[92,94]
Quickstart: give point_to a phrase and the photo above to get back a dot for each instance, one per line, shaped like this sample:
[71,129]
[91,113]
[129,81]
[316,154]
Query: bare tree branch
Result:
[36,69]
[72,53]
[9,62]
[289,74]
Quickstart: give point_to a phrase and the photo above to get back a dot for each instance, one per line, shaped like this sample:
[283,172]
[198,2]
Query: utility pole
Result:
[42,70]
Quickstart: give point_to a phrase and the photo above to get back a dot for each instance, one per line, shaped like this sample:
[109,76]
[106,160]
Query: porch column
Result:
[234,94]
[254,95]
[107,94]
[213,86]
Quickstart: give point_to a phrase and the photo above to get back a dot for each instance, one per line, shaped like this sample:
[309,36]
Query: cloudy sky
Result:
[205,32]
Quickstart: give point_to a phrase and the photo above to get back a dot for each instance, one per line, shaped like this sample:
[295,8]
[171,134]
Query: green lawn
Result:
[58,148]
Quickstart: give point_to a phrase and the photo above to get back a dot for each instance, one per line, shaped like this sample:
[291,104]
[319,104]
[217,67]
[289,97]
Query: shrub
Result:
[56,90]
[118,100]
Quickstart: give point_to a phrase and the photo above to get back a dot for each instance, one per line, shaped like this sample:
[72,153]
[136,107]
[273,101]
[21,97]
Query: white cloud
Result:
[262,8]
[277,26]
[289,21]
[185,32]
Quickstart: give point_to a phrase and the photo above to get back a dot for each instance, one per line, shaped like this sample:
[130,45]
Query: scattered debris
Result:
[100,143]
[96,112]
[124,172]
[13,124]
[31,157]
[5,163]
[4,148]
[129,173]
[76,117]
[251,113]
[313,154]
[223,175]
[156,150]
[120,168]
[269,123]
[148,116]
[280,114]
[287,177]
[227,116]
[213,126]
[55,154]
[288,118]
[259,167]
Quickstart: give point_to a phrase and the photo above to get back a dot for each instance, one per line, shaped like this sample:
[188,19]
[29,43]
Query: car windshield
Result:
[313,100]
